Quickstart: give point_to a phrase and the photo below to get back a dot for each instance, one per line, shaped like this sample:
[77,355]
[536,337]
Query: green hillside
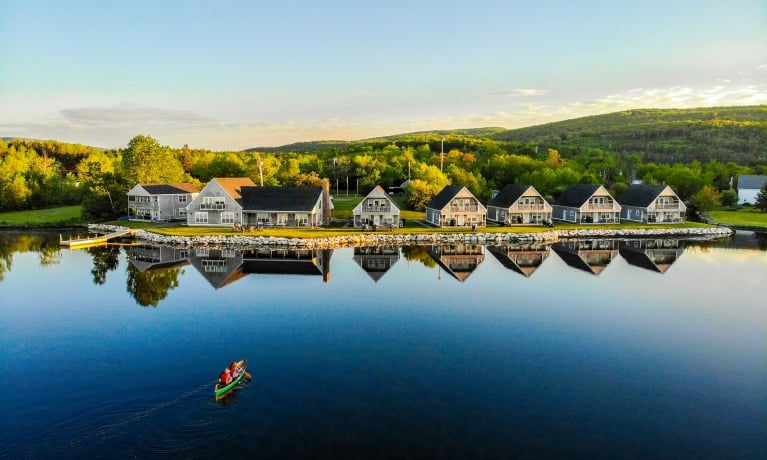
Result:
[737,134]
[726,134]
[420,137]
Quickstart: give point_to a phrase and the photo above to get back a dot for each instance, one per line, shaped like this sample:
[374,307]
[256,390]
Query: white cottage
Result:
[377,208]
[748,188]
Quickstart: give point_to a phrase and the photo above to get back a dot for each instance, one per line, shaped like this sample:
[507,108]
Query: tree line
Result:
[41,174]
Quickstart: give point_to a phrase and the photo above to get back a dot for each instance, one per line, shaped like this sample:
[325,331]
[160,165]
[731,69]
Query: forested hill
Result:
[726,134]
[737,134]
[421,137]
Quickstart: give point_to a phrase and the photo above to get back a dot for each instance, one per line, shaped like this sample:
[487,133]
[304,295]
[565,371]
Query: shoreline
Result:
[396,239]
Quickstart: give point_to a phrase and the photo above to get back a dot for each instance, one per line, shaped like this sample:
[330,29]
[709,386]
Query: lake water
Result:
[595,348]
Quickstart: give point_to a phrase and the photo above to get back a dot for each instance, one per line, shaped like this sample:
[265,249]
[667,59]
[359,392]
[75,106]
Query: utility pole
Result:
[261,169]
[442,155]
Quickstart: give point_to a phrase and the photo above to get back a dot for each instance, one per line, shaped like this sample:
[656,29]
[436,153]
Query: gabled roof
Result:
[377,192]
[573,256]
[445,196]
[749,181]
[232,185]
[576,195]
[288,199]
[169,189]
[509,195]
[641,195]
[642,260]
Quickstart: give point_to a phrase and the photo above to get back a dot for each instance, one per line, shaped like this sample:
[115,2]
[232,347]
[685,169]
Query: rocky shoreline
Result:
[404,239]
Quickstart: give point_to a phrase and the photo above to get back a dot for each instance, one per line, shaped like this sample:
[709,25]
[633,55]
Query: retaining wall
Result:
[404,239]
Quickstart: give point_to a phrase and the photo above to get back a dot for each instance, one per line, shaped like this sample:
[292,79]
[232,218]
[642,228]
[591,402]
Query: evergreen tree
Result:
[761,198]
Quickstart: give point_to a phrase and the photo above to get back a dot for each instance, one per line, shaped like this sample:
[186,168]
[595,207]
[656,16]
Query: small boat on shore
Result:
[222,390]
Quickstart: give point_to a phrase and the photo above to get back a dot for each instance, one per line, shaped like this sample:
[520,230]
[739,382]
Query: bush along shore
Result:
[404,239]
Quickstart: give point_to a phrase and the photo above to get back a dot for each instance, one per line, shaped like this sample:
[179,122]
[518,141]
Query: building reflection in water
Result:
[221,267]
[652,254]
[521,258]
[376,260]
[288,261]
[152,257]
[591,256]
[458,260]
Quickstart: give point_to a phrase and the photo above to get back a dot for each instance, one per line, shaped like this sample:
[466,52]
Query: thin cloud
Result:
[107,126]
[519,92]
[131,115]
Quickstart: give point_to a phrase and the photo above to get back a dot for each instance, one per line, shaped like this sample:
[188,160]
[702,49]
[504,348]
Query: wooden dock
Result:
[94,240]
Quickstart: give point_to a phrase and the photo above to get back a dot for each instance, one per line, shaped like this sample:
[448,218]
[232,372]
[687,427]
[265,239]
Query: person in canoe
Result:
[234,370]
[226,377]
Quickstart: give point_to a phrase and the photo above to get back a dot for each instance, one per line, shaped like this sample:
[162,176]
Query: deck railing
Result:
[212,206]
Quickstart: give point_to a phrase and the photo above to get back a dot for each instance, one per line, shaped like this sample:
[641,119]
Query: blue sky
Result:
[237,74]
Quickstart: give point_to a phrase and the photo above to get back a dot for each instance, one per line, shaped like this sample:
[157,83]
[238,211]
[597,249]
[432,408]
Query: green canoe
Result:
[223,390]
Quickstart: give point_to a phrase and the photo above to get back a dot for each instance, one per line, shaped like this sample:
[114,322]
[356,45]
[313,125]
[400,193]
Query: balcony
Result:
[600,205]
[535,207]
[212,206]
[469,208]
[368,209]
[667,205]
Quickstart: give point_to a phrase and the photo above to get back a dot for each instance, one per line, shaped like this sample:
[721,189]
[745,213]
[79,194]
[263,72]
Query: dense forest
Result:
[699,152]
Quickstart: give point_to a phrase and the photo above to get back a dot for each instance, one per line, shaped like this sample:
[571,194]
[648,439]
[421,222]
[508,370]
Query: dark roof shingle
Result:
[750,181]
[641,195]
[576,195]
[509,195]
[289,199]
[443,198]
[169,189]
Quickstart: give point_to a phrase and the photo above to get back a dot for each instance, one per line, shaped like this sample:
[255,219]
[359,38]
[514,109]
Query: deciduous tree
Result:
[145,161]
[707,198]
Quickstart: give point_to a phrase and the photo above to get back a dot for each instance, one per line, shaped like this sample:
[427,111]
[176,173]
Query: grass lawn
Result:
[65,215]
[743,217]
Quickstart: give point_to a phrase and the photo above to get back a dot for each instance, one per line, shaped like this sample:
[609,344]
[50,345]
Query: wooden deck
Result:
[94,240]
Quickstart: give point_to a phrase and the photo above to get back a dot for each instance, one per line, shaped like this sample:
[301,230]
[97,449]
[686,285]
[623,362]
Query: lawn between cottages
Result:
[745,217]
[65,216]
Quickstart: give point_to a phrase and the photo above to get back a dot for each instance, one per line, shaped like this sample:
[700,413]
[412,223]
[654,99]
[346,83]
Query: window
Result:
[182,198]
[214,266]
[213,202]
[227,217]
[200,217]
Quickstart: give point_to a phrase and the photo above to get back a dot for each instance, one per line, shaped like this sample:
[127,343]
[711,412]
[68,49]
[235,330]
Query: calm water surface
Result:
[603,348]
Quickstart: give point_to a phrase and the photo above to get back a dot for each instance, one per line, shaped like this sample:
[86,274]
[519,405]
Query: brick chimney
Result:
[326,208]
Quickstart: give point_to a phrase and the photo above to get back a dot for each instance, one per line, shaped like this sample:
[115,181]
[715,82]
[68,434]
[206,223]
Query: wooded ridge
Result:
[700,153]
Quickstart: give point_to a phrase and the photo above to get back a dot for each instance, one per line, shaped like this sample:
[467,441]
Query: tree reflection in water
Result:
[151,286]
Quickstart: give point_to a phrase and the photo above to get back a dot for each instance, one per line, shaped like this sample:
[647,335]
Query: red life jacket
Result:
[224,378]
